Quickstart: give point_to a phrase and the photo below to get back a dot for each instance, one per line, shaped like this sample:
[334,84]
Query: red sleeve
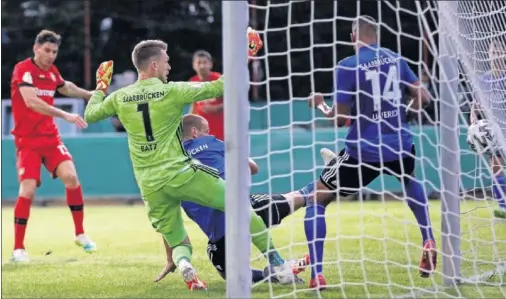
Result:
[194,78]
[215,76]
[21,76]
[59,79]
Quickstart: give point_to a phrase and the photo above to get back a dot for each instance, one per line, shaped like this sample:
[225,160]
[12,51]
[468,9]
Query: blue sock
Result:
[306,191]
[418,203]
[257,275]
[316,230]
[500,184]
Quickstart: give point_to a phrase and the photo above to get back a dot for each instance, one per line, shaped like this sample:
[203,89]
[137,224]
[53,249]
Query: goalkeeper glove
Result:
[104,75]
[254,42]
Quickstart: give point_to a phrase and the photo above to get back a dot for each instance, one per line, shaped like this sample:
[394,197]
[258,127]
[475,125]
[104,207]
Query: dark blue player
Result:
[272,208]
[371,83]
[493,84]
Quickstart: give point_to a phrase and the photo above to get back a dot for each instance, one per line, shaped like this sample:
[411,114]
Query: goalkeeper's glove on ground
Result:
[254,42]
[104,75]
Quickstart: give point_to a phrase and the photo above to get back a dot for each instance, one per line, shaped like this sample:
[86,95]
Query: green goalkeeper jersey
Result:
[151,112]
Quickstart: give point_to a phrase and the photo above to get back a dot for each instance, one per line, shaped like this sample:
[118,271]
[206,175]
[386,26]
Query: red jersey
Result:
[216,121]
[30,125]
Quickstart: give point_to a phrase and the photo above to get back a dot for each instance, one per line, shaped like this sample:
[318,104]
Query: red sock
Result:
[76,205]
[21,215]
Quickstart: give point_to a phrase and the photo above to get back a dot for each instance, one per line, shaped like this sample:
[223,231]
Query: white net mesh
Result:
[373,244]
[480,40]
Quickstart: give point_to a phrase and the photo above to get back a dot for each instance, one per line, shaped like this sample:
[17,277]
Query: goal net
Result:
[479,38]
[373,243]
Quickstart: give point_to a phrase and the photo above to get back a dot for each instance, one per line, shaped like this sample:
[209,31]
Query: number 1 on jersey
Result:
[391,90]
[146,119]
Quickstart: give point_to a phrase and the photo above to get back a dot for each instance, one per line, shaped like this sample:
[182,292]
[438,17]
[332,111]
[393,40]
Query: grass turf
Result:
[372,250]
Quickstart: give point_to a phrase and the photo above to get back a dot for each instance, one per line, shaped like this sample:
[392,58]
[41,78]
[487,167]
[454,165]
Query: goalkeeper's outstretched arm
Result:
[99,107]
[190,92]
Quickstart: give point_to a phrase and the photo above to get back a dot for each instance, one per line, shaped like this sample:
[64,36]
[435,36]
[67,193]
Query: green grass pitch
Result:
[372,250]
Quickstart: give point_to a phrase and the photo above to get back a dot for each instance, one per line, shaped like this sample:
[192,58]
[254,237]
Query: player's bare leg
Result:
[296,200]
[27,189]
[66,171]
[499,185]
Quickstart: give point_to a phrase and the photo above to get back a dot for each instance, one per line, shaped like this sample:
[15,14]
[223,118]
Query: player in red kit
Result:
[212,109]
[34,82]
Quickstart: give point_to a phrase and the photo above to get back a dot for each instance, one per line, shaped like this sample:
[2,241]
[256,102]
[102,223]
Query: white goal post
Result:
[237,217]
[372,247]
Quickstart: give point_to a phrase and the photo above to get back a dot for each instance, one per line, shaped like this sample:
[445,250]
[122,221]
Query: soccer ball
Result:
[480,137]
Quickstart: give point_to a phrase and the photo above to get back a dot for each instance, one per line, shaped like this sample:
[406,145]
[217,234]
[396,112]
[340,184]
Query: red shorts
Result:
[30,159]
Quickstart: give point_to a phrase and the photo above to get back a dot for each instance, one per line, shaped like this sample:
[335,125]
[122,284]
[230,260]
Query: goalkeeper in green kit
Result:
[151,111]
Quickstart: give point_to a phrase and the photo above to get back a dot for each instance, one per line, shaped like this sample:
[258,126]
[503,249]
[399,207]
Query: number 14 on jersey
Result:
[391,90]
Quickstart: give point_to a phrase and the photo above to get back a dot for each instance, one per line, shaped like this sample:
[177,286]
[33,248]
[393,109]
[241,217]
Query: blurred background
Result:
[94,31]
[303,41]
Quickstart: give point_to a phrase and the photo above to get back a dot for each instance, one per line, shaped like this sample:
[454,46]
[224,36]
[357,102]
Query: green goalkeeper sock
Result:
[180,252]
[262,240]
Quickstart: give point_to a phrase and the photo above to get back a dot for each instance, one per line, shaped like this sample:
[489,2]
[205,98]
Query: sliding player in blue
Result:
[371,83]
[493,84]
[272,208]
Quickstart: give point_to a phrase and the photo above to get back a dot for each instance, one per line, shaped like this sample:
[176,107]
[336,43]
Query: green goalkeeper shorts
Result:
[199,184]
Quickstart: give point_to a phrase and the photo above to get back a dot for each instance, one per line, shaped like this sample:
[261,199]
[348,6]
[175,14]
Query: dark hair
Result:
[202,54]
[145,50]
[48,36]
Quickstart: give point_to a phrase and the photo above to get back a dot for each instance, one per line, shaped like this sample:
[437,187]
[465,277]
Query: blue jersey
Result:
[373,82]
[211,152]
